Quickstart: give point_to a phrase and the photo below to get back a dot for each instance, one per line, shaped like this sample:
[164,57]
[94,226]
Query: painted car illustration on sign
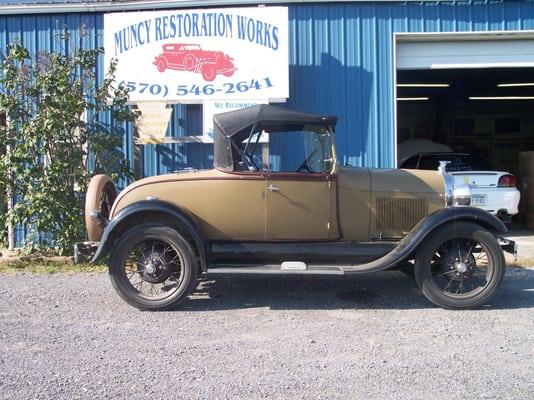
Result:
[191,57]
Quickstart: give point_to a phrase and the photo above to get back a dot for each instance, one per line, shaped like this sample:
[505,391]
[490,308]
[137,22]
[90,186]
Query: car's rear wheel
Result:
[152,267]
[460,266]
[208,72]
[161,65]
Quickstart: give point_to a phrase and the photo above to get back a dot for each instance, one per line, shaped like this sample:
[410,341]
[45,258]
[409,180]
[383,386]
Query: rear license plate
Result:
[478,200]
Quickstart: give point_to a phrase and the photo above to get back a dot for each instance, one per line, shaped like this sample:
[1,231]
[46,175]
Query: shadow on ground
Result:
[385,290]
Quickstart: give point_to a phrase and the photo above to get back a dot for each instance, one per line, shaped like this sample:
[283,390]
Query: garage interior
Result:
[483,111]
[450,113]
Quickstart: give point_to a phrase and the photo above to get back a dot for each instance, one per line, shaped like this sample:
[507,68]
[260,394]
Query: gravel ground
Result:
[372,336]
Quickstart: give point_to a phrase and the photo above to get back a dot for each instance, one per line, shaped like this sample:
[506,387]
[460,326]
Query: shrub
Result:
[54,136]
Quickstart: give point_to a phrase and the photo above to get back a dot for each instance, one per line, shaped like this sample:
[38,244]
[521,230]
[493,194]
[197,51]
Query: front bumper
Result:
[508,246]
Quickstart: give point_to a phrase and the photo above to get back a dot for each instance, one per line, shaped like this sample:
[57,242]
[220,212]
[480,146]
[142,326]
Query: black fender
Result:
[175,215]
[423,229]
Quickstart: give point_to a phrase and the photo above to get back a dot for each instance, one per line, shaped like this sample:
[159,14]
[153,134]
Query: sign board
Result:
[153,122]
[200,55]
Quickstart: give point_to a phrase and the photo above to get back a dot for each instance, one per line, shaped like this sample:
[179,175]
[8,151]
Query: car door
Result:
[300,208]
[300,187]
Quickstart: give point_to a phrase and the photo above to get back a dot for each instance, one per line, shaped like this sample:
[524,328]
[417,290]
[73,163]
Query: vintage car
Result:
[278,202]
[191,57]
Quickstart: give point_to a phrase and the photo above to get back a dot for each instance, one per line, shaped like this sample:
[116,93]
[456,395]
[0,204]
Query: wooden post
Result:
[9,195]
[9,200]
[138,152]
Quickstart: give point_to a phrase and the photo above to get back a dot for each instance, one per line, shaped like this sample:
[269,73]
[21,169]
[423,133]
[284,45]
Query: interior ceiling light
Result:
[501,98]
[423,85]
[412,98]
[515,84]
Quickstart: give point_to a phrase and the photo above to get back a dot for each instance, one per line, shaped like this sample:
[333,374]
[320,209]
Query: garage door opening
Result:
[485,113]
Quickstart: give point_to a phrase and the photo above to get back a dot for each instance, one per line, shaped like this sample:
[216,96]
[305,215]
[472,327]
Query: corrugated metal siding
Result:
[161,159]
[39,33]
[341,62]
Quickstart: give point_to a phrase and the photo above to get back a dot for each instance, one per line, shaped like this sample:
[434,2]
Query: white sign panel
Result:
[200,55]
[217,107]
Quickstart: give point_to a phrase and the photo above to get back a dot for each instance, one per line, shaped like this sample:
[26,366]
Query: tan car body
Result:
[349,204]
[244,217]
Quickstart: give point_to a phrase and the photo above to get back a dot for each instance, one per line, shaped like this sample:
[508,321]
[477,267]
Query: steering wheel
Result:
[306,161]
[252,166]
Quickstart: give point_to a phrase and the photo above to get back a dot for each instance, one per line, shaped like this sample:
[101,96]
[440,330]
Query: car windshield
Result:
[457,162]
[304,149]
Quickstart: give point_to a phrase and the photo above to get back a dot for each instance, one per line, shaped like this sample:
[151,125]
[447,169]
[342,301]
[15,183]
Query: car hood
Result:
[406,181]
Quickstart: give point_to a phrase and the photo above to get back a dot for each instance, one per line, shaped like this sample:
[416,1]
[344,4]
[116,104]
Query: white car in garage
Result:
[494,191]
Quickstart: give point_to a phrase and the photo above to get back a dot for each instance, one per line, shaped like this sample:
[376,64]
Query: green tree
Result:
[54,136]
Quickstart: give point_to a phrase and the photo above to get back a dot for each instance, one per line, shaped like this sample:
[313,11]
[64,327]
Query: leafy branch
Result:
[62,126]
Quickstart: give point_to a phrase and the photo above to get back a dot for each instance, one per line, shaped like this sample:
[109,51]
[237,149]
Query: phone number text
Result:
[227,88]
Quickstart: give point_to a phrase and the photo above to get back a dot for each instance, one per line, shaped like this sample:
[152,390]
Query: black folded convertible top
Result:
[235,122]
[237,125]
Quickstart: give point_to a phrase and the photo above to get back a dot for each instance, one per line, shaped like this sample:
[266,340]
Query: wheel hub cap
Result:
[461,267]
[150,268]
[155,265]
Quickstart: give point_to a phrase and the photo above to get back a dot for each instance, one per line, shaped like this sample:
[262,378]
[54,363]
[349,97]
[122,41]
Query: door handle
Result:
[273,188]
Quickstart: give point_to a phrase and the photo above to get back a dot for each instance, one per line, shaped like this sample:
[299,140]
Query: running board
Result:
[301,268]
[278,269]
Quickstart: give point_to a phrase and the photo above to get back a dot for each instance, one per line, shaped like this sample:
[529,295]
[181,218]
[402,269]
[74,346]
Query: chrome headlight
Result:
[459,195]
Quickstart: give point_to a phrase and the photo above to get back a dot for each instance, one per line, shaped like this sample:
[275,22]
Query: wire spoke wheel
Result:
[153,267]
[107,198]
[459,266]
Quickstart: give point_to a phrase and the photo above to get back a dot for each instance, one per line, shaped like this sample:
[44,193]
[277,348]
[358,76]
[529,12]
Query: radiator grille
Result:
[399,213]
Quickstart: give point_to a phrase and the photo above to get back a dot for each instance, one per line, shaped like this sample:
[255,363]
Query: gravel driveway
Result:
[372,336]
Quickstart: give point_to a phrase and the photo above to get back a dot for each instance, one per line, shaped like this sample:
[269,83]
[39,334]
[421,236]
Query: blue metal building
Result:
[342,60]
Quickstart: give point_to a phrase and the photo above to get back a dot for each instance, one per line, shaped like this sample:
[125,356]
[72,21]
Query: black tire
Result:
[136,237]
[434,263]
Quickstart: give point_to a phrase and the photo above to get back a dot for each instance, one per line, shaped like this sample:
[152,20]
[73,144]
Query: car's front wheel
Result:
[152,267]
[460,266]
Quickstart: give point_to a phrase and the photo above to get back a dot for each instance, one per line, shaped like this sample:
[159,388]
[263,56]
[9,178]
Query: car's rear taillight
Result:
[507,181]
